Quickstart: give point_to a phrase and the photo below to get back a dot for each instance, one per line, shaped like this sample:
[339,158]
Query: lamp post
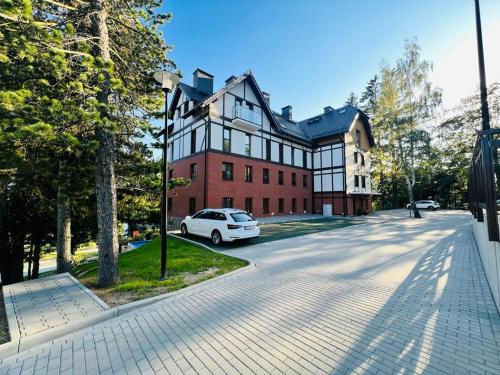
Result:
[168,82]
[482,75]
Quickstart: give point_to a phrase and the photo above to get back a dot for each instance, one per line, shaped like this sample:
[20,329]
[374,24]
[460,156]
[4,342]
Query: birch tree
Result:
[407,101]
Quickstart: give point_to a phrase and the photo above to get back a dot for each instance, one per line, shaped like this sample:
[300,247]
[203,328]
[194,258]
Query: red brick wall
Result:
[238,189]
[180,195]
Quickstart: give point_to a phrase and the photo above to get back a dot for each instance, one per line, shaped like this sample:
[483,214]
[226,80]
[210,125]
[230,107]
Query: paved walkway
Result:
[38,305]
[406,296]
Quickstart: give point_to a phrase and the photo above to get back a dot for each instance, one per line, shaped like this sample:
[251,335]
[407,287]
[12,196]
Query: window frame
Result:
[192,200]
[281,178]
[193,141]
[294,205]
[304,180]
[265,176]
[249,204]
[193,167]
[281,205]
[294,179]
[265,205]
[248,151]
[225,200]
[363,182]
[356,181]
[248,172]
[228,147]
[231,178]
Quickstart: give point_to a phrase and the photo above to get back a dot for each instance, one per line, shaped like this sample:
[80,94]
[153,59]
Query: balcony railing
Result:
[484,180]
[245,114]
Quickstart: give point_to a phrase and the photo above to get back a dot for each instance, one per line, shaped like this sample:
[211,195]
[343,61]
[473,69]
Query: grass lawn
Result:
[4,326]
[140,270]
[280,231]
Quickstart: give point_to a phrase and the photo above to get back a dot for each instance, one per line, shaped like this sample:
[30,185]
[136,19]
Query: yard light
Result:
[168,82]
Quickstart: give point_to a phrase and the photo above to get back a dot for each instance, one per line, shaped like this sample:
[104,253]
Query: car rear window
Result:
[241,216]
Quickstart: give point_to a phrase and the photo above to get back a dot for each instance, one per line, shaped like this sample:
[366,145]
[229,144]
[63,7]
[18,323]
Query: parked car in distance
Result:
[221,225]
[428,205]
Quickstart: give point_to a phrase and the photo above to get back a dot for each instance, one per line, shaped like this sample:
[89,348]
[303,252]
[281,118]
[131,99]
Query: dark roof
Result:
[190,92]
[324,125]
[329,124]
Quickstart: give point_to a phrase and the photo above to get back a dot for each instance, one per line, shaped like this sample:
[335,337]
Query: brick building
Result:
[239,153]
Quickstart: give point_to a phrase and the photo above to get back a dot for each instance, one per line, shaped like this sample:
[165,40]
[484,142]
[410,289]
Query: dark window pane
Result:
[265,205]
[248,173]
[265,176]
[227,171]
[193,171]
[192,206]
[241,216]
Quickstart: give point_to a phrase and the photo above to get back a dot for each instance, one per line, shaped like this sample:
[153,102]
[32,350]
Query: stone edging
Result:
[18,344]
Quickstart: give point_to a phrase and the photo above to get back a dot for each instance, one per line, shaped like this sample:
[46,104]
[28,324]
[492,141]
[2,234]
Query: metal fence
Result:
[484,178]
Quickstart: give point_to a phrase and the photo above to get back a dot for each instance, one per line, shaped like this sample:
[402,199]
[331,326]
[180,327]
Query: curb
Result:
[18,344]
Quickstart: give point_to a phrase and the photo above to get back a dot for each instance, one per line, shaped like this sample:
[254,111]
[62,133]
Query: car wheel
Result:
[184,230]
[216,237]
[430,208]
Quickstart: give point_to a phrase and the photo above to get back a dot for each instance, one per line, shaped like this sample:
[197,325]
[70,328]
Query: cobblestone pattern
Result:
[404,297]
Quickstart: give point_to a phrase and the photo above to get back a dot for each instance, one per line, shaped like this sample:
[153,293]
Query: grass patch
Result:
[140,270]
[4,326]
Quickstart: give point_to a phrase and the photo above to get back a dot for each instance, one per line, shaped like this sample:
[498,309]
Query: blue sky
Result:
[314,53]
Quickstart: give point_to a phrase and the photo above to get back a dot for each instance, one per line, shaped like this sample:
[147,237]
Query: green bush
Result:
[78,260]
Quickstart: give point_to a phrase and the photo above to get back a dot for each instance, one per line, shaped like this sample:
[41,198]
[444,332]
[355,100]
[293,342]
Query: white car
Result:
[221,225]
[427,204]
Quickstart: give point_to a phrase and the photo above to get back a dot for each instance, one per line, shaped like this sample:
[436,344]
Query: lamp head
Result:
[167,80]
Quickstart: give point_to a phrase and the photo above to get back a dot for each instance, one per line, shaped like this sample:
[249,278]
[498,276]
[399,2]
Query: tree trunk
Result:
[416,213]
[37,246]
[105,173]
[63,223]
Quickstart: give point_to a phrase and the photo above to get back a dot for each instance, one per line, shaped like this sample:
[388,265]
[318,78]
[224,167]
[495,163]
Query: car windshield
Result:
[241,216]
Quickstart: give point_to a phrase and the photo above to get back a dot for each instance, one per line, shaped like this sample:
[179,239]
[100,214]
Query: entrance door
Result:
[327,210]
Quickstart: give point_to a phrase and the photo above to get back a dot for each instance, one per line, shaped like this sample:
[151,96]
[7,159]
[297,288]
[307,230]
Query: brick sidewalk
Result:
[402,297]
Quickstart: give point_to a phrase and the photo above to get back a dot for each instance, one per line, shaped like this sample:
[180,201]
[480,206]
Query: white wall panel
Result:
[186,148]
[275,151]
[177,149]
[287,154]
[200,138]
[237,142]
[216,137]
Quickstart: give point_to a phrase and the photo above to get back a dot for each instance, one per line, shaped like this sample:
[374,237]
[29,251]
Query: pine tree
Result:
[352,99]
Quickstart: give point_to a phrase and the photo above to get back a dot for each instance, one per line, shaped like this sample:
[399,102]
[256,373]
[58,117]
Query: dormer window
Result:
[358,138]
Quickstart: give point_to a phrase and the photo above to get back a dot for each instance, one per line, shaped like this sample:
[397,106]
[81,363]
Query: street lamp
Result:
[482,75]
[168,82]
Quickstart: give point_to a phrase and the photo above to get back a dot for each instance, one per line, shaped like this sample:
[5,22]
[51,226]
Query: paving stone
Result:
[388,296]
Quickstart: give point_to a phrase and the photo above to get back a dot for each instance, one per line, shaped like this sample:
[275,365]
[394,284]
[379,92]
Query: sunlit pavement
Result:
[401,296]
